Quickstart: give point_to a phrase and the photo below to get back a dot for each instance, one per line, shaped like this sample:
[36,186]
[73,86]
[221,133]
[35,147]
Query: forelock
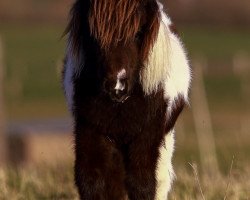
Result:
[114,21]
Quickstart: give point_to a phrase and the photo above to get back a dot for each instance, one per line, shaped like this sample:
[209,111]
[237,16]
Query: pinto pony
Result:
[126,79]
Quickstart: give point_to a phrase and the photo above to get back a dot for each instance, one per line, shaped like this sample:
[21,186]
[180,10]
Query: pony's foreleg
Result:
[141,170]
[165,173]
[99,171]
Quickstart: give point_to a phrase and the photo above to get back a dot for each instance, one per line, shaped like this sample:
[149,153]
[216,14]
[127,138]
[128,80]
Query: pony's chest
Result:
[116,116]
[131,117]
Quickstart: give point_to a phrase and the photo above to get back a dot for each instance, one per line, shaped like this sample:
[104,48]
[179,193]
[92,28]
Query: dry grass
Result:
[44,182]
[37,182]
[190,185]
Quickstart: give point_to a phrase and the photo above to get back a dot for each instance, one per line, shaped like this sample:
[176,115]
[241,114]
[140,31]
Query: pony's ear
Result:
[150,28]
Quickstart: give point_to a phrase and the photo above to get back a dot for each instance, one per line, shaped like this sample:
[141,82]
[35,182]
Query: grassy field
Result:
[56,183]
[38,182]
[33,57]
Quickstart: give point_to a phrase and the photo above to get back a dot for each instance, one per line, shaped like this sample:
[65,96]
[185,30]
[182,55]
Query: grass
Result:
[56,183]
[190,186]
[37,182]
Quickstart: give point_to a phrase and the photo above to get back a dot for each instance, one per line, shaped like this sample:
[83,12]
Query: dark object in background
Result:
[17,149]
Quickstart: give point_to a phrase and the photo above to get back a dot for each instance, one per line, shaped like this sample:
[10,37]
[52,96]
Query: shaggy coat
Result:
[126,79]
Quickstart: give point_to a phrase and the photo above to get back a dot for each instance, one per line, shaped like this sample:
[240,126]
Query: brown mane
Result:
[113,21]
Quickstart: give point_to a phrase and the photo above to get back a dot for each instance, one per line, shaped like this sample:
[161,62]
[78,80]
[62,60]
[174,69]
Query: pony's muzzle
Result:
[118,92]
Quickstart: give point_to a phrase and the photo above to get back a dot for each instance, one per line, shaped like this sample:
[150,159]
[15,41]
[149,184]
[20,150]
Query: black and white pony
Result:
[126,80]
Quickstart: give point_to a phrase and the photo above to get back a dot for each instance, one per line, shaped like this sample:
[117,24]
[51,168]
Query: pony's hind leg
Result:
[99,170]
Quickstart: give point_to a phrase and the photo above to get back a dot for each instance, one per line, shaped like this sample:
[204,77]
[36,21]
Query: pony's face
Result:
[125,31]
[121,66]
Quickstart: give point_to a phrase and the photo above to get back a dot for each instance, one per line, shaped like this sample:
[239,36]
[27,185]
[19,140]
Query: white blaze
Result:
[119,85]
[121,74]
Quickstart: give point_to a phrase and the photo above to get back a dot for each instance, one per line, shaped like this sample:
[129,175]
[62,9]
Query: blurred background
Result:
[213,141]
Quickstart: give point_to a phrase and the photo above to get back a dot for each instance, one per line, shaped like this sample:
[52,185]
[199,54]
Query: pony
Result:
[126,79]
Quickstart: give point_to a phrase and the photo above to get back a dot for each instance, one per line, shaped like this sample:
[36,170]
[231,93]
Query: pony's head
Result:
[124,32]
[122,64]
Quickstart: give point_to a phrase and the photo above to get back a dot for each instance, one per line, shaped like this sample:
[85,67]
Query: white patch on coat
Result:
[119,85]
[121,74]
[154,73]
[165,173]
[168,66]
[179,74]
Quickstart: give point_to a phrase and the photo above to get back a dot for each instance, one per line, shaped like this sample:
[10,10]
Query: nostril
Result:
[120,85]
[118,95]
[116,89]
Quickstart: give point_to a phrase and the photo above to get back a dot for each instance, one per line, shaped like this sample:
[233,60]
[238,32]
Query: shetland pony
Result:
[126,80]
